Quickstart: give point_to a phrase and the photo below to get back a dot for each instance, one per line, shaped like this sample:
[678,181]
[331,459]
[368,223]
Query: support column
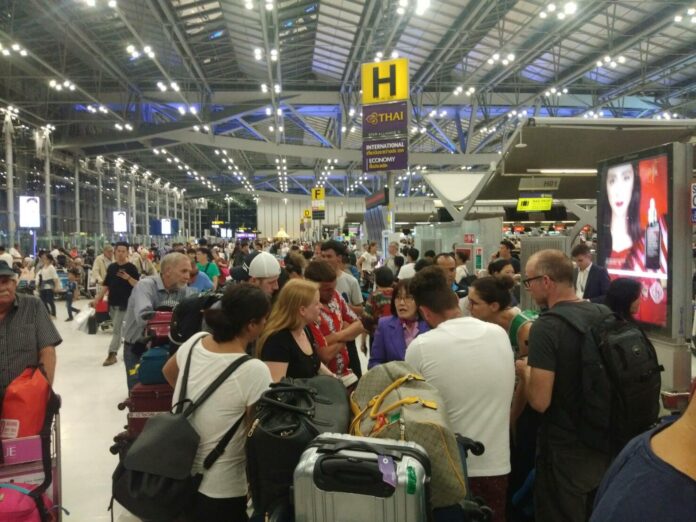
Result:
[157,199]
[100,197]
[391,208]
[134,207]
[190,223]
[47,187]
[147,211]
[118,187]
[77,194]
[166,203]
[9,163]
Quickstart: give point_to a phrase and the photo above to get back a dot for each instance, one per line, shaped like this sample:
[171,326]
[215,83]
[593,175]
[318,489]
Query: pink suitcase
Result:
[145,401]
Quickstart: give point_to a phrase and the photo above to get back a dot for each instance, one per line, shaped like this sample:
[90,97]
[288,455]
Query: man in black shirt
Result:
[121,277]
[568,472]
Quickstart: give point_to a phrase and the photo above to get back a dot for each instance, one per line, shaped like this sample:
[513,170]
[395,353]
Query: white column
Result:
[77,194]
[47,186]
[9,163]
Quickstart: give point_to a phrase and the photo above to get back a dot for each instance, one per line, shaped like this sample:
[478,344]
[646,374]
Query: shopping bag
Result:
[82,318]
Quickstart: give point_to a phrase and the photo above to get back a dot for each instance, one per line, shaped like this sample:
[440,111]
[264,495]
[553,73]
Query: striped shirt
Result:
[148,295]
[25,330]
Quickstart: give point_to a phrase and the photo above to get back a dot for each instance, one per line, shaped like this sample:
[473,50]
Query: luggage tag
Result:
[388,469]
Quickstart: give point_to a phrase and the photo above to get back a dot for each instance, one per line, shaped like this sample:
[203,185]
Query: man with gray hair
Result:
[167,288]
[393,250]
[21,345]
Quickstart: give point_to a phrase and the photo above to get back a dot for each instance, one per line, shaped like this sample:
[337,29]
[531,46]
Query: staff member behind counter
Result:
[27,334]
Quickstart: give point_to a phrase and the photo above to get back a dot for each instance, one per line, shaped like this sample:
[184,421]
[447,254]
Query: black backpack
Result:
[187,316]
[154,480]
[620,379]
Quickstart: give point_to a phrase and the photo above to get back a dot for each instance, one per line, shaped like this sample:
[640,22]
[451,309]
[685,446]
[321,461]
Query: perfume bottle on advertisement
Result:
[652,239]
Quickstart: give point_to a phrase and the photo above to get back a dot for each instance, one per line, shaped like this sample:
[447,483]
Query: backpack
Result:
[154,480]
[620,379]
[187,316]
[17,504]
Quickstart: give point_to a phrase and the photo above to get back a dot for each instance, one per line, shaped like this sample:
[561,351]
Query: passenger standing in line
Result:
[121,277]
[623,298]
[101,263]
[395,332]
[206,265]
[47,282]
[222,494]
[471,364]
[199,280]
[167,288]
[591,280]
[390,263]
[288,345]
[505,252]
[409,269]
[568,471]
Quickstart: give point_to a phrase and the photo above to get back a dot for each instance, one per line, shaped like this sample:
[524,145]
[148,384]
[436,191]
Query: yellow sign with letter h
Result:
[385,81]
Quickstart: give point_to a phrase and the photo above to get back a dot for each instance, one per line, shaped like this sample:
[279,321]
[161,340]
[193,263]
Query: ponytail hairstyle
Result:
[495,290]
[242,305]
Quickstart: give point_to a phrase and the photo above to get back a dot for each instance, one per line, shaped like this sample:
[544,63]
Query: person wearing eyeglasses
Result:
[568,470]
[395,332]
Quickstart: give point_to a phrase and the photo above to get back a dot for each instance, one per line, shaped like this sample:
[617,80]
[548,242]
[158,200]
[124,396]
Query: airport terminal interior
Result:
[454,237]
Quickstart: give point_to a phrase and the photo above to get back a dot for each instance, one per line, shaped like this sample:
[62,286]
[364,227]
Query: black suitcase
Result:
[92,325]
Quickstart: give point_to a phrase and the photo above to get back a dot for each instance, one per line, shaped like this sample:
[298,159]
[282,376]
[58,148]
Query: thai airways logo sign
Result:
[385,119]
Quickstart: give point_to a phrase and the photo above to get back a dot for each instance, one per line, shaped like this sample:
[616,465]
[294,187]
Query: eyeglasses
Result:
[404,298]
[528,282]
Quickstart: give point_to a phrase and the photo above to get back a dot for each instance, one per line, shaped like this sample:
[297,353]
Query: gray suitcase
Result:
[339,478]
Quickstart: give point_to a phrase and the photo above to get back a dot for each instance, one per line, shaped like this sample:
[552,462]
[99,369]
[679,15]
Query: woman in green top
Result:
[204,257]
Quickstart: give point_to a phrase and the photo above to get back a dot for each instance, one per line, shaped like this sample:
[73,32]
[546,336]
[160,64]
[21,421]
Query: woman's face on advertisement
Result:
[619,188]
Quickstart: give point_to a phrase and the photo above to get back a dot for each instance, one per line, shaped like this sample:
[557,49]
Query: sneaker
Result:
[68,319]
[111,359]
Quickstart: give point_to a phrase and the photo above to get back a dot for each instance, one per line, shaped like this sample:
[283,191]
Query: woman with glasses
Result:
[490,300]
[394,333]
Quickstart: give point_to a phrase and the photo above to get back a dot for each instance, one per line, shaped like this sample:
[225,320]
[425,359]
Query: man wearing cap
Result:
[27,334]
[260,269]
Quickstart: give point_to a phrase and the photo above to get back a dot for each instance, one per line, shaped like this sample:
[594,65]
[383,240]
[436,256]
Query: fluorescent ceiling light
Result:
[569,172]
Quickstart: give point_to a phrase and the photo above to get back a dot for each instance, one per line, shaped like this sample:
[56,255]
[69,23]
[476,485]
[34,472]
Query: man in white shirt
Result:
[409,269]
[591,281]
[471,363]
[101,263]
[393,250]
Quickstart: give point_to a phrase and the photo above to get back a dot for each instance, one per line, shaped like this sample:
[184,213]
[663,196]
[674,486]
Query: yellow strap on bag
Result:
[403,402]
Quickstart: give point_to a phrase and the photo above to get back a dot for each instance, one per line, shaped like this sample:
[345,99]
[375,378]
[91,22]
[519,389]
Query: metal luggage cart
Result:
[23,463]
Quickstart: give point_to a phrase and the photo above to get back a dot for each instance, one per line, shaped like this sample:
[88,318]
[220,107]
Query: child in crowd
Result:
[72,292]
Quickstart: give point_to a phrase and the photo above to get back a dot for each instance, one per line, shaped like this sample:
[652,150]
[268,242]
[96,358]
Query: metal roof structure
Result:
[223,96]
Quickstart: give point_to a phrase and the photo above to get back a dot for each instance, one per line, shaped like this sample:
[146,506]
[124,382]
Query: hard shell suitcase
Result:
[145,401]
[356,479]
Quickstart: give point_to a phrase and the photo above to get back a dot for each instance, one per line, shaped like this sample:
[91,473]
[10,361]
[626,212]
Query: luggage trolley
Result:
[23,463]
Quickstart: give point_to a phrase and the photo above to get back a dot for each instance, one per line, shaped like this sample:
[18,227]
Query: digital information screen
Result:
[120,222]
[633,239]
[166,227]
[29,212]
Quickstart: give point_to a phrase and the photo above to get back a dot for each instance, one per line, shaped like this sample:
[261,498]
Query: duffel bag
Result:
[393,402]
[288,417]
[151,364]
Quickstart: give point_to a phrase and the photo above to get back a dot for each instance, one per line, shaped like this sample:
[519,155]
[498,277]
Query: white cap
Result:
[263,265]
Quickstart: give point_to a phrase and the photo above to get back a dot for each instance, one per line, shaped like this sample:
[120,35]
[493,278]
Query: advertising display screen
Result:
[120,222]
[164,227]
[29,212]
[633,227]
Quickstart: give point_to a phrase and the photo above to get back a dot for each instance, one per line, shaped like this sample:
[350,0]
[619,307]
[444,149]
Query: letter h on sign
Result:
[377,81]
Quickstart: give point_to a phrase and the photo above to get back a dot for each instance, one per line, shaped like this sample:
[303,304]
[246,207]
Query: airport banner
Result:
[385,119]
[385,155]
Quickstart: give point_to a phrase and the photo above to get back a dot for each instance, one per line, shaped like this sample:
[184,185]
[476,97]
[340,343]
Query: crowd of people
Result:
[509,378]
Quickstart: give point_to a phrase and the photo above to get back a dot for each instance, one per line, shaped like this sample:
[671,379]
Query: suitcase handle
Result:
[265,398]
[377,449]
[350,471]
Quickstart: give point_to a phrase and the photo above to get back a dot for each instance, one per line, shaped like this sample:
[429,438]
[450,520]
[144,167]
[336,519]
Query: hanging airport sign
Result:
[385,155]
[318,204]
[378,199]
[385,119]
[384,81]
[538,203]
[307,213]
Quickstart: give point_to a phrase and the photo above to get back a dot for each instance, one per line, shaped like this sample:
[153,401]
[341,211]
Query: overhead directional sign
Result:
[540,203]
[385,119]
[308,213]
[385,155]
[318,204]
[385,81]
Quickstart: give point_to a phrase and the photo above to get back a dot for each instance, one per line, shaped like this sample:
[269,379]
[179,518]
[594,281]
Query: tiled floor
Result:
[90,419]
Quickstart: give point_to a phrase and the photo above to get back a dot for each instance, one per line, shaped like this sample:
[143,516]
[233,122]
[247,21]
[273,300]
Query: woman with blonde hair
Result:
[288,345]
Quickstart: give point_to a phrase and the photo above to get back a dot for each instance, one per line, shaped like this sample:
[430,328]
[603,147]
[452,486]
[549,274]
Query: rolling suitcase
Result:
[145,401]
[354,479]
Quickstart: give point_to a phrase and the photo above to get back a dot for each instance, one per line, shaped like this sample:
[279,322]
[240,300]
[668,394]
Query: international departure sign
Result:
[384,81]
[318,204]
[385,155]
[541,203]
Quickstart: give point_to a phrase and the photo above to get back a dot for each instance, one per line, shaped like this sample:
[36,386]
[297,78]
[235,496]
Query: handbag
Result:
[154,480]
[288,417]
